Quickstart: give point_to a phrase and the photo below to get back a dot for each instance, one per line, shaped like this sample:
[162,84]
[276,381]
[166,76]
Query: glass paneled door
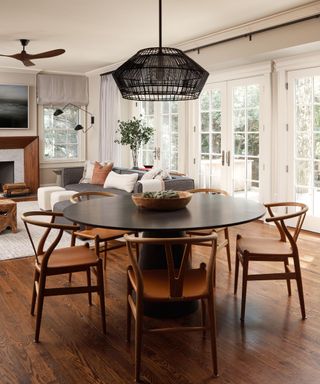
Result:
[231,135]
[166,119]
[304,132]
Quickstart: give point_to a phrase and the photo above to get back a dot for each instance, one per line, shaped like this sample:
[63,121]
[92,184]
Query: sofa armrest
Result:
[71,175]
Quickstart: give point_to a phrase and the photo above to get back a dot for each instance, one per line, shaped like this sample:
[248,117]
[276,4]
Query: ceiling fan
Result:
[26,57]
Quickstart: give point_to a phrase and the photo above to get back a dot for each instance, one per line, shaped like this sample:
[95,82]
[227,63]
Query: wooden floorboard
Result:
[275,345]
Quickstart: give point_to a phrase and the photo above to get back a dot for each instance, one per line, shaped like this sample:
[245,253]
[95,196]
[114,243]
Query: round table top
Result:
[203,211]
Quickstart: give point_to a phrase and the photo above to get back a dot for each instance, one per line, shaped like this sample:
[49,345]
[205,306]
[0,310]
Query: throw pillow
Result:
[125,182]
[88,171]
[156,173]
[100,173]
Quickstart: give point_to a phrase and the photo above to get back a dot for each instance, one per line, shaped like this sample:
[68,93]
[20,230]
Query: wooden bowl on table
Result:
[163,204]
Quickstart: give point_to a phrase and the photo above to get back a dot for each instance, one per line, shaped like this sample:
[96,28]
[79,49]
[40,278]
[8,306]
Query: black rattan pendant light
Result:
[160,74]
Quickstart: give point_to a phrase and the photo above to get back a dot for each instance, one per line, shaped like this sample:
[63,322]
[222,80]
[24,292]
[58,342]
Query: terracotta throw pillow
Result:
[100,173]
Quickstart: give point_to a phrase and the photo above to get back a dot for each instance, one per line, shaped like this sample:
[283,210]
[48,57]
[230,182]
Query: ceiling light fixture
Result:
[78,127]
[160,74]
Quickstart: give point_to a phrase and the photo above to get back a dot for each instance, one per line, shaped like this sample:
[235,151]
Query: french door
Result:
[164,148]
[304,142]
[233,144]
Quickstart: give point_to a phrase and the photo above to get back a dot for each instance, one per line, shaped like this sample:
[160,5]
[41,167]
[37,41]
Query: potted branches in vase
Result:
[134,133]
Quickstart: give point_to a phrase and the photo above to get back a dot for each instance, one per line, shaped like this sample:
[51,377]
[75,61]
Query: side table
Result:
[8,215]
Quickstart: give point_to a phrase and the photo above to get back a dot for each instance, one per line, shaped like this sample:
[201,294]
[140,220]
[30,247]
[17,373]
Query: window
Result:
[60,141]
[162,149]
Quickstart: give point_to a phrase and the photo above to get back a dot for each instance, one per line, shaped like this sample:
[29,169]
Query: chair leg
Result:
[34,291]
[286,264]
[105,255]
[138,341]
[212,317]
[203,317]
[89,285]
[70,277]
[42,283]
[236,274]
[129,291]
[244,288]
[101,295]
[226,235]
[299,285]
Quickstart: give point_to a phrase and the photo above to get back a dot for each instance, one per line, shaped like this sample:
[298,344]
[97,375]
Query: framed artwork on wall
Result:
[14,106]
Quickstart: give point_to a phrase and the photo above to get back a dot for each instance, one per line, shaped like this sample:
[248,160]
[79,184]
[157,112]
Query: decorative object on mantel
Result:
[134,133]
[78,127]
[162,200]
[26,57]
[160,74]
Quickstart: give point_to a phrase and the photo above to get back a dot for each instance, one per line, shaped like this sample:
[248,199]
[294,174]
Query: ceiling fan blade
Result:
[43,55]
[27,63]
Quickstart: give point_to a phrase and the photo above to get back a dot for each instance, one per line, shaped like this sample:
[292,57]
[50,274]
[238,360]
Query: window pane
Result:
[239,97]
[304,117]
[216,99]
[205,143]
[216,143]
[303,147]
[205,121]
[303,172]
[204,101]
[253,119]
[216,121]
[253,144]
[304,90]
[61,141]
[239,120]
[252,169]
[253,95]
[239,144]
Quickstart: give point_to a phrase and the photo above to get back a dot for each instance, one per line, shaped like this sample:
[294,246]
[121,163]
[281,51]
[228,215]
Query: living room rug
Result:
[15,245]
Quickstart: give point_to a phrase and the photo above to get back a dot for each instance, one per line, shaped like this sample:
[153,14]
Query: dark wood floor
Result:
[275,346]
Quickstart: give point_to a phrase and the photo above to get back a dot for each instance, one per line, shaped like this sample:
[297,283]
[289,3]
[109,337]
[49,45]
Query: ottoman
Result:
[60,196]
[44,194]
[8,215]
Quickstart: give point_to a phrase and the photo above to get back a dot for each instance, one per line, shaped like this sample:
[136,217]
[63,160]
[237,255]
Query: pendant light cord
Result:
[160,24]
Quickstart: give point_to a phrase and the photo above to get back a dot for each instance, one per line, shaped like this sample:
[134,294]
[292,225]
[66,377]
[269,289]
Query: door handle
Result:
[222,158]
[158,153]
[155,153]
[228,158]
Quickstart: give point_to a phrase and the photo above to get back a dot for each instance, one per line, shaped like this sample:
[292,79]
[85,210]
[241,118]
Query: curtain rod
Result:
[244,35]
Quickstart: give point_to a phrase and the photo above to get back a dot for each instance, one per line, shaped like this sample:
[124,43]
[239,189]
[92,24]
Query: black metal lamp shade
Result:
[160,74]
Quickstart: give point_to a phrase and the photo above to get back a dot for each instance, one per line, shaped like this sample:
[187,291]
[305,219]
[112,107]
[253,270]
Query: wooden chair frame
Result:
[226,242]
[43,268]
[136,291]
[245,256]
[109,241]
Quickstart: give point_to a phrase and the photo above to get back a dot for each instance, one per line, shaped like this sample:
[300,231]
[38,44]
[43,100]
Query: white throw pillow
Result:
[156,173]
[88,171]
[125,182]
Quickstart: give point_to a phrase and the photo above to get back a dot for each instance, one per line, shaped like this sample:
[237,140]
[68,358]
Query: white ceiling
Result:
[96,33]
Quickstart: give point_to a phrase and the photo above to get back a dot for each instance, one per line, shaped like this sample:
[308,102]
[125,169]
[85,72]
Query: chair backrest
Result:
[279,220]
[29,220]
[176,273]
[80,196]
[213,191]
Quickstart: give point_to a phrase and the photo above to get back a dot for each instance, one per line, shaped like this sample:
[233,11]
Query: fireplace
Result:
[24,152]
[6,172]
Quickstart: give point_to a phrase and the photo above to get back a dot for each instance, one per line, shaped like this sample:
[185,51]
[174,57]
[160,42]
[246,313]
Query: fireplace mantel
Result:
[30,146]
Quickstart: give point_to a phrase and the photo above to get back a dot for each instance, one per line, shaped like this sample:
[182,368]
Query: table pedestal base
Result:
[153,257]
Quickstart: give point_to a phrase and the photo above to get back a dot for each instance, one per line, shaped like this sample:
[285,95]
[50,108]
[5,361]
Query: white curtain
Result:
[109,116]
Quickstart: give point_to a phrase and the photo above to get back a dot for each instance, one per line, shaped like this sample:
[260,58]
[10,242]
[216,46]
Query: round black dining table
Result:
[203,211]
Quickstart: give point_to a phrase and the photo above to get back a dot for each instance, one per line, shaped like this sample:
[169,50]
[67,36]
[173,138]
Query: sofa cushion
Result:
[123,182]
